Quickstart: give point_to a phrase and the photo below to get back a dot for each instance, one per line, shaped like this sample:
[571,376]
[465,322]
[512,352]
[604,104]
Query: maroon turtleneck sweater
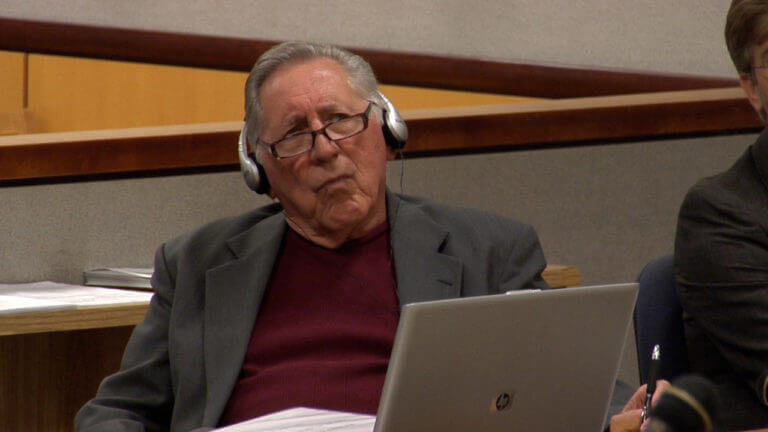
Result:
[324,332]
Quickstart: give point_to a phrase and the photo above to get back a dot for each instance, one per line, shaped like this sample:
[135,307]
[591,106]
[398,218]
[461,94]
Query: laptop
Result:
[522,361]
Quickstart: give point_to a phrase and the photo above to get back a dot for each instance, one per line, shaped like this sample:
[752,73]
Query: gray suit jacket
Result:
[182,362]
[721,265]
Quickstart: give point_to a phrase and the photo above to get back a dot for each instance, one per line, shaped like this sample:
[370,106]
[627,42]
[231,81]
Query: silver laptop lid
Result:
[530,361]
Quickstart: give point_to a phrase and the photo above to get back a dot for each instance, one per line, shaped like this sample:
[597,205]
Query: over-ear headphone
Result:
[395,130]
[393,126]
[253,173]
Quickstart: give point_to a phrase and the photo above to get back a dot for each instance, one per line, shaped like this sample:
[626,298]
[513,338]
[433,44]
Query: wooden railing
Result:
[595,106]
[569,122]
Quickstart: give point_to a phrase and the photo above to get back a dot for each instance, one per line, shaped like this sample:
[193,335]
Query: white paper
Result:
[15,304]
[50,295]
[306,420]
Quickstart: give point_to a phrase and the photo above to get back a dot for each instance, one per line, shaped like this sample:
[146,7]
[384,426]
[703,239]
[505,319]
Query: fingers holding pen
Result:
[629,419]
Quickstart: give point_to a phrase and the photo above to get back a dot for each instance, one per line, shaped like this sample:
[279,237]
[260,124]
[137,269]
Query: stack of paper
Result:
[306,420]
[48,296]
[123,277]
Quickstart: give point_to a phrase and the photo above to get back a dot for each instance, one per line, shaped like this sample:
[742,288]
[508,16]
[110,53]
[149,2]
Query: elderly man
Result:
[297,303]
[721,248]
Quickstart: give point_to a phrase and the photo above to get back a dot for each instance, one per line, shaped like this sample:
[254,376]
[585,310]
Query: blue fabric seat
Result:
[658,319]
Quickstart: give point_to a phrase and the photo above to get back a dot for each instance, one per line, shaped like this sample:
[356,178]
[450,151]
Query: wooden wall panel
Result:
[67,94]
[74,94]
[36,368]
[410,98]
[11,81]
[12,92]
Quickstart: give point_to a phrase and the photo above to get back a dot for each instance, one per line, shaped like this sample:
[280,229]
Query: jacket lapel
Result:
[423,272]
[233,293]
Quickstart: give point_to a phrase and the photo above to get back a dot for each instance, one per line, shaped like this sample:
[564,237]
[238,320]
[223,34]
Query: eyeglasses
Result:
[294,144]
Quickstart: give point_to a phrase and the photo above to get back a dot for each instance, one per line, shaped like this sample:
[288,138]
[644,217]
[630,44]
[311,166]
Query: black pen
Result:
[653,369]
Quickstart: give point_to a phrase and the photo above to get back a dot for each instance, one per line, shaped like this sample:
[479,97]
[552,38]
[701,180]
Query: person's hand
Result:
[628,420]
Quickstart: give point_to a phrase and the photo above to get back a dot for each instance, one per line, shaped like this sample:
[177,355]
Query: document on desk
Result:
[120,277]
[306,420]
[11,304]
[49,296]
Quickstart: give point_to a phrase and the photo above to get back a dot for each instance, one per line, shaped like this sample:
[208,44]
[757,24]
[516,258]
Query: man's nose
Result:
[324,148]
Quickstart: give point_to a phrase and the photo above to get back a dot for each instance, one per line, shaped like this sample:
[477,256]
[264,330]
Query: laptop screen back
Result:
[524,361]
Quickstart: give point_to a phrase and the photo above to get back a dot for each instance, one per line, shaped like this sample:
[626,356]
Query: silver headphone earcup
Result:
[253,173]
[395,129]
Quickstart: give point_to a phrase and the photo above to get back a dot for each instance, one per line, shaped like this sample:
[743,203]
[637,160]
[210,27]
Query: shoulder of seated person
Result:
[472,218]
[213,235]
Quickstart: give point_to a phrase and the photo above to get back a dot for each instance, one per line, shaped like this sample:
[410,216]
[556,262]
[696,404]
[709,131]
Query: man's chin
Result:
[347,216]
[344,214]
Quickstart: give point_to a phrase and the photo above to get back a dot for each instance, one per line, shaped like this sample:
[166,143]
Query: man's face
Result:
[756,85]
[337,188]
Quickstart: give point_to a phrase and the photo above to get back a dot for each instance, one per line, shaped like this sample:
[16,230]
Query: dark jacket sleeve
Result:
[139,397]
[525,263]
[721,260]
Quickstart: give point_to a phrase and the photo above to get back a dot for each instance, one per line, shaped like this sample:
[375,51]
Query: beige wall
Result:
[674,36]
[607,209]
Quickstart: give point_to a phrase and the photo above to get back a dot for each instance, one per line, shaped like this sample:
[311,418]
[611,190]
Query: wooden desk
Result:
[561,276]
[51,363]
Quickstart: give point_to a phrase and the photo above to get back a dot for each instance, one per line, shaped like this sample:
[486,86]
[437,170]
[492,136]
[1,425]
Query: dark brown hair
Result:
[745,27]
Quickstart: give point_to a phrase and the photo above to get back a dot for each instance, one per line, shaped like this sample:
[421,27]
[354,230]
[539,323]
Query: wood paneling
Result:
[48,371]
[68,94]
[13,92]
[411,98]
[45,378]
[409,69]
[15,122]
[580,121]
[570,122]
[12,85]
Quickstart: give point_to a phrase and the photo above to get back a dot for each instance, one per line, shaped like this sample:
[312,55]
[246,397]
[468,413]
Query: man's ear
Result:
[749,85]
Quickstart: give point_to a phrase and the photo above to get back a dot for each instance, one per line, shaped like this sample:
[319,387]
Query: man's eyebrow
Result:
[332,108]
[323,110]
[293,120]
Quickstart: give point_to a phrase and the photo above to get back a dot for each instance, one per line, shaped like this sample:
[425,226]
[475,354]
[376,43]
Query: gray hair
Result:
[359,74]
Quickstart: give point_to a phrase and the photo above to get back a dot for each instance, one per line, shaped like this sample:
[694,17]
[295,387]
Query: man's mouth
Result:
[333,182]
